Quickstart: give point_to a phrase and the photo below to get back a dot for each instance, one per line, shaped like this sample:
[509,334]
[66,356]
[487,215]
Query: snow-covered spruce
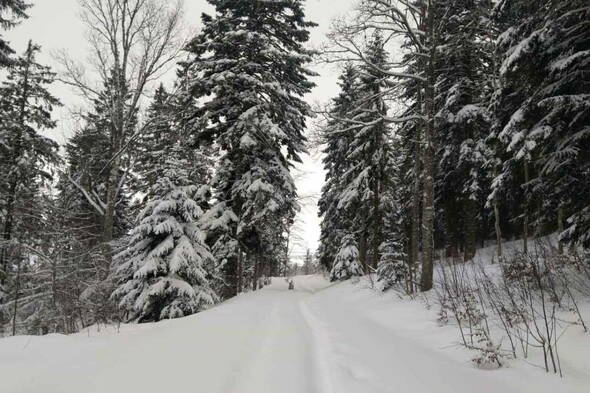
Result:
[164,273]
[358,158]
[462,122]
[26,157]
[542,111]
[248,70]
[346,264]
[336,137]
[390,273]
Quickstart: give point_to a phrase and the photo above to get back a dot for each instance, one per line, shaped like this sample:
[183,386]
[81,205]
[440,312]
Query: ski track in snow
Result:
[319,338]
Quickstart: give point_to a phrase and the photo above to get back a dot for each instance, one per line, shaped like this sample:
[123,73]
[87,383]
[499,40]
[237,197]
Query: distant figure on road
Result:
[291,284]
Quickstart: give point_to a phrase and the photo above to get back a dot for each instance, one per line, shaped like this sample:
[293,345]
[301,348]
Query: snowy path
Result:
[316,339]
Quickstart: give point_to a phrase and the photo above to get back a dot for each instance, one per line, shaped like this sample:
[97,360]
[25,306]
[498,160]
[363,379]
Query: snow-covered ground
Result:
[322,337]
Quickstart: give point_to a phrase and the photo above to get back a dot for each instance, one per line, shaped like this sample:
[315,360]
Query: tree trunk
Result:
[7,234]
[109,215]
[415,228]
[470,229]
[118,133]
[560,228]
[112,189]
[497,227]
[239,273]
[428,160]
[16,296]
[363,250]
[376,223]
[428,212]
[525,229]
[255,275]
[451,229]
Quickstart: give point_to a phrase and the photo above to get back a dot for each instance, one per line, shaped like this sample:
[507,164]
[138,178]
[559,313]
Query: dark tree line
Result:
[486,136]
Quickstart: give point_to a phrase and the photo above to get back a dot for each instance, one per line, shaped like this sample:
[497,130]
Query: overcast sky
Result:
[54,25]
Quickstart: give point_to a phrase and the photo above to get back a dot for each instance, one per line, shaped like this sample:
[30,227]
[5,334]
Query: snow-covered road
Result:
[316,339]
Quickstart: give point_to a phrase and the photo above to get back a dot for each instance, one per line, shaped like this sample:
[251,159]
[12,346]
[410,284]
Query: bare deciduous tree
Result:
[132,43]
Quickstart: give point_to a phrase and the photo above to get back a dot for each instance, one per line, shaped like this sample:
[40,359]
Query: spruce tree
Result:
[308,262]
[154,140]
[462,91]
[165,271]
[394,266]
[515,20]
[336,137]
[541,114]
[25,155]
[346,263]
[565,106]
[249,68]
[367,154]
[10,13]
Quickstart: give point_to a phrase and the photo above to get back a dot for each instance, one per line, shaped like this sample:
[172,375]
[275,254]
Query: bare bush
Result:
[529,302]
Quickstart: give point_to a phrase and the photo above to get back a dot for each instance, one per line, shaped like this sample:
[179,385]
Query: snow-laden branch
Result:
[97,204]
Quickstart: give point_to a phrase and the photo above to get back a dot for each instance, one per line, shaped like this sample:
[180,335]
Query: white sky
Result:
[54,25]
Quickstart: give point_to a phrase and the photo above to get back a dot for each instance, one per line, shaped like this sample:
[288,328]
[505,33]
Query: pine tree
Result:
[368,154]
[564,101]
[541,114]
[10,13]
[165,272]
[515,20]
[308,262]
[25,109]
[462,122]
[394,266]
[356,158]
[346,263]
[249,68]
[156,138]
[336,138]
[408,186]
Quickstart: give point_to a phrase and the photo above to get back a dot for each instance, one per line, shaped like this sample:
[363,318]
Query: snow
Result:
[469,112]
[562,63]
[521,51]
[319,338]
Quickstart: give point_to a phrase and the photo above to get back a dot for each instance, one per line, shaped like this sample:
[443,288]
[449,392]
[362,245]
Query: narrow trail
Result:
[282,360]
[315,339]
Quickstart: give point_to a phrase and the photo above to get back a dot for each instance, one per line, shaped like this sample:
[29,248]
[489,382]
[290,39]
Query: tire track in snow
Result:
[323,378]
[259,334]
[337,360]
[282,359]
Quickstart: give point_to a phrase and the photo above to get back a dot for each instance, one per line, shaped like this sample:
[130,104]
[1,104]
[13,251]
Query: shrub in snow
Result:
[163,272]
[390,273]
[443,312]
[346,264]
[489,356]
[517,268]
[391,269]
